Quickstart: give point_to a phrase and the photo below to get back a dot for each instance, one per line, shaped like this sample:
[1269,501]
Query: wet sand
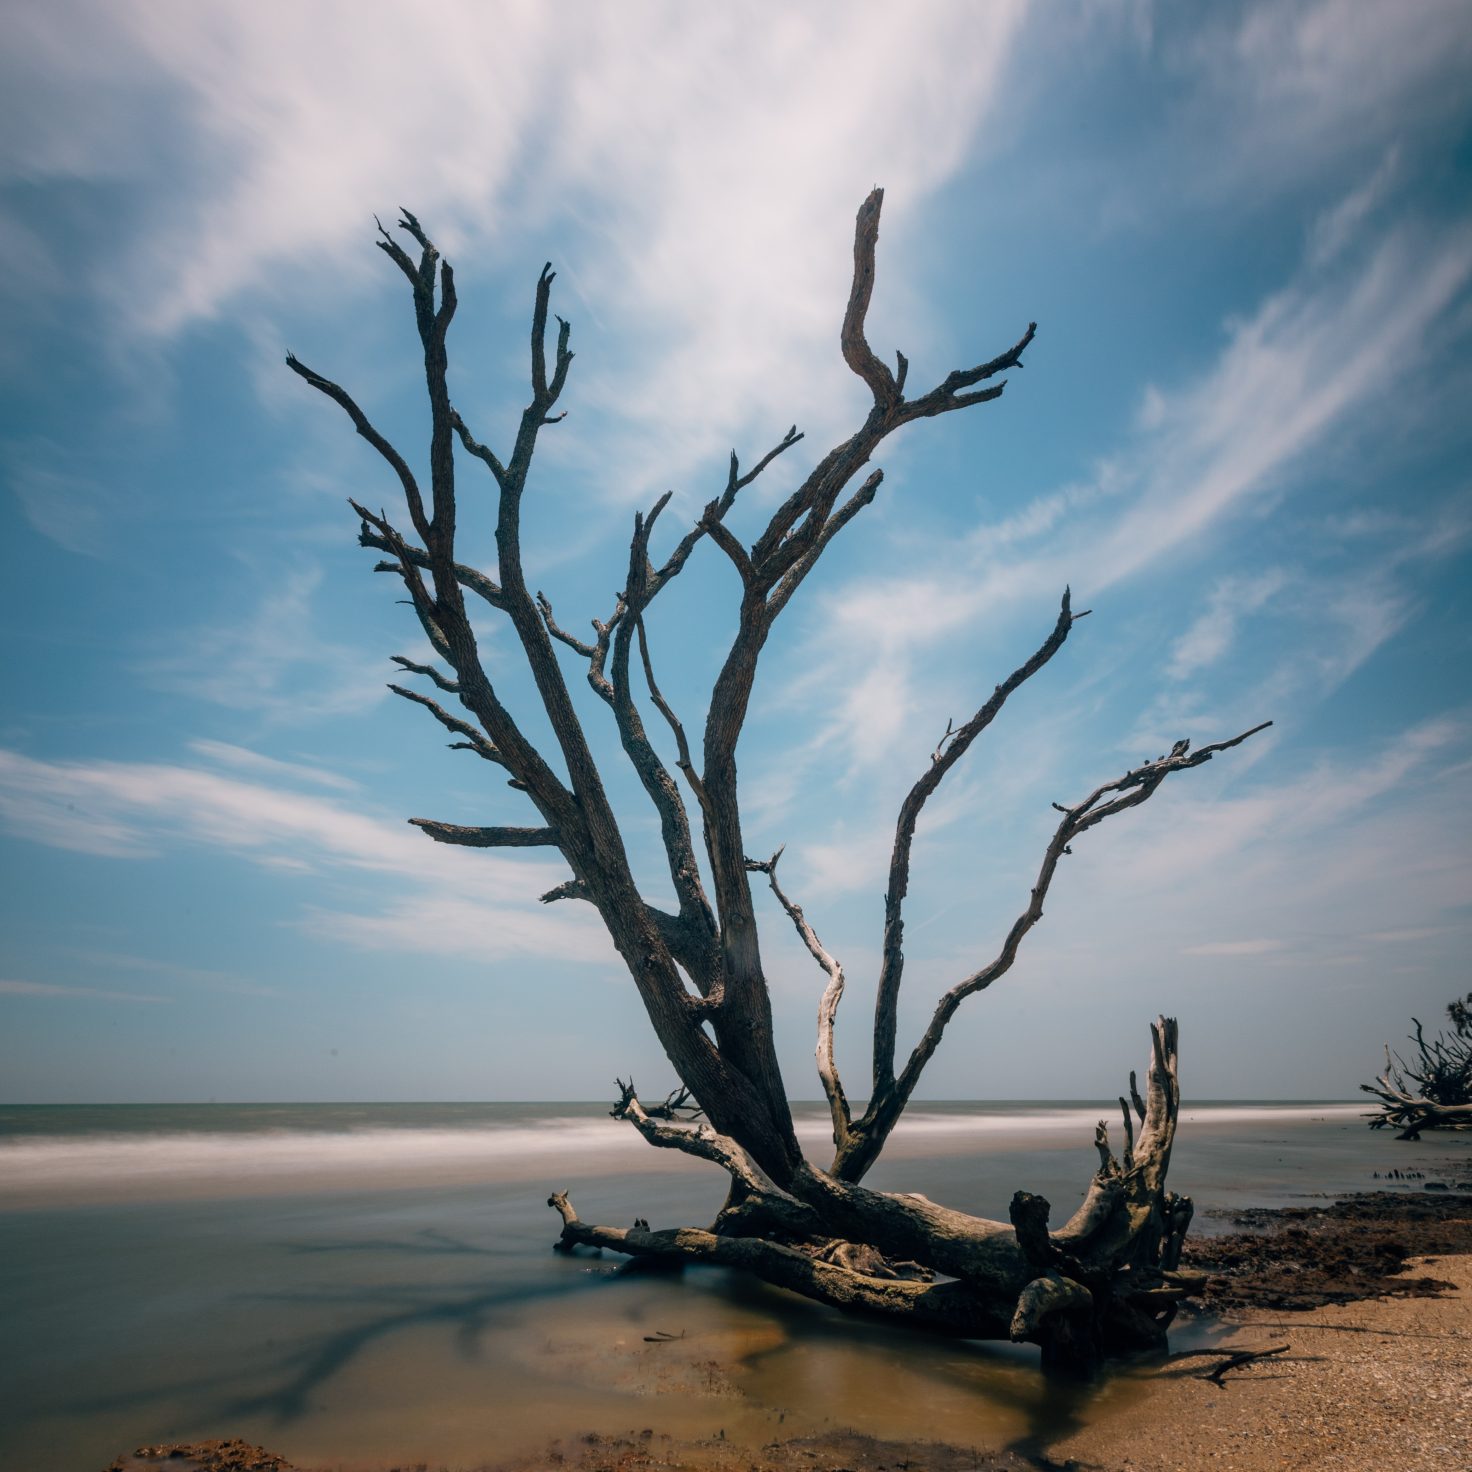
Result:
[1378,1373]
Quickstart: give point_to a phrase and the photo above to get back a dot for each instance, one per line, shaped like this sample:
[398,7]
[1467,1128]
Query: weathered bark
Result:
[1103,1281]
[1410,1113]
[949,1306]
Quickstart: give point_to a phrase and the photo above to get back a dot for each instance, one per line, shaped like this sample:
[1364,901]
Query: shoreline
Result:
[1371,1292]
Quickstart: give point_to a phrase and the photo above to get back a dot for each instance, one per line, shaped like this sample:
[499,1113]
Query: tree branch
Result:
[792,578]
[1143,782]
[716,510]
[474,447]
[856,350]
[946,396]
[663,791]
[781,556]
[891,970]
[425,607]
[1137,786]
[450,687]
[682,746]
[544,606]
[392,543]
[361,423]
[474,739]
[949,1306]
[726,540]
[699,1140]
[488,837]
[838,1106]
[577,814]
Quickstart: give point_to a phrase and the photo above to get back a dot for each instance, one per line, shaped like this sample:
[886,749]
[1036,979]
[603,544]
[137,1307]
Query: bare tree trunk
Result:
[1105,1281]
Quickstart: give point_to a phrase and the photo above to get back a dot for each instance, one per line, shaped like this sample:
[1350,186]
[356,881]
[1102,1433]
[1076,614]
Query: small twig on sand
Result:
[1232,1359]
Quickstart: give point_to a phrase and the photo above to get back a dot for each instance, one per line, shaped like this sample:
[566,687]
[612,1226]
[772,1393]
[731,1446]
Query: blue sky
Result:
[1241,436]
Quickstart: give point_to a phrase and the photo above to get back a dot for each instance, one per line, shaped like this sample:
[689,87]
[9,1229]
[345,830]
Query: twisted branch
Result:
[838,1106]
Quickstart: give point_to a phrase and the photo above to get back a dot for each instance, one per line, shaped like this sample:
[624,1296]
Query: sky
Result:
[1241,437]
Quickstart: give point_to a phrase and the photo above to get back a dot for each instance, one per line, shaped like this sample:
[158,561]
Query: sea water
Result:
[359,1284]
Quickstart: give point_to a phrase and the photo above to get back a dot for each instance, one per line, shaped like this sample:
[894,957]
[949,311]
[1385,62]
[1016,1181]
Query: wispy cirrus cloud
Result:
[1301,367]
[241,758]
[1299,825]
[1212,633]
[134,810]
[272,663]
[72,510]
[1259,947]
[1311,82]
[1331,867]
[51,990]
[701,164]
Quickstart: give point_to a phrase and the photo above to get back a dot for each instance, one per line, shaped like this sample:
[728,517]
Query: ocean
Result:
[360,1284]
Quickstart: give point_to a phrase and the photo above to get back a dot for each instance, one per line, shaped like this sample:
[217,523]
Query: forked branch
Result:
[1133,788]
[694,1139]
[470,737]
[954,745]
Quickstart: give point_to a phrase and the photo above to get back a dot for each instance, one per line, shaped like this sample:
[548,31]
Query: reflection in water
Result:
[427,1318]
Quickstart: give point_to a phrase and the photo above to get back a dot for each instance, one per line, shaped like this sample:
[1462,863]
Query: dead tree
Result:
[1105,1281]
[1433,1092]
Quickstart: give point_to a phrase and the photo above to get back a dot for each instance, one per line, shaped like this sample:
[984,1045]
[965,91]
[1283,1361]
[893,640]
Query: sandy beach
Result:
[1378,1374]
[1385,1382]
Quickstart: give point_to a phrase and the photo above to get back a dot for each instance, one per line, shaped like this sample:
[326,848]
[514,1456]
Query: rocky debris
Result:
[1354,1249]
[232,1455]
[836,1451]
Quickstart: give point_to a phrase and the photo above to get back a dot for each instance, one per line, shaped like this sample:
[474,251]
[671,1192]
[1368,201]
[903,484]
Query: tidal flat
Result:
[370,1286]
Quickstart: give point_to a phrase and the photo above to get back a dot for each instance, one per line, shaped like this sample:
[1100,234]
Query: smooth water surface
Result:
[375,1282]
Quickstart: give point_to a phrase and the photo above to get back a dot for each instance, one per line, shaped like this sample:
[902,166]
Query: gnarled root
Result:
[1106,1283]
[948,1306]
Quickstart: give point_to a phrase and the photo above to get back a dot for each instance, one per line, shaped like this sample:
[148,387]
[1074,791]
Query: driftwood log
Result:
[1104,1282]
[1434,1091]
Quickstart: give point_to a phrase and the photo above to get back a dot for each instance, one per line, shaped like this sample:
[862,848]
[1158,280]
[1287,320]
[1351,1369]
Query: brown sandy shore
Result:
[1372,1295]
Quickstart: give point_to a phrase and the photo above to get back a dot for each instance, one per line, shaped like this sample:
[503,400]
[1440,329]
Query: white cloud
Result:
[71,510]
[1303,870]
[1338,225]
[1307,84]
[48,989]
[194,977]
[272,663]
[251,761]
[1311,358]
[710,158]
[1259,947]
[1296,826]
[1213,632]
[134,810]
[1412,933]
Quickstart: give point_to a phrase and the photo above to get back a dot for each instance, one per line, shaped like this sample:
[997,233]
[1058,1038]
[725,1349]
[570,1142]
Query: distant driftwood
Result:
[1433,1092]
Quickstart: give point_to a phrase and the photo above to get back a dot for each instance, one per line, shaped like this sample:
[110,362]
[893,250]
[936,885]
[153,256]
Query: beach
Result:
[1383,1382]
[1387,1377]
[381,1294]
